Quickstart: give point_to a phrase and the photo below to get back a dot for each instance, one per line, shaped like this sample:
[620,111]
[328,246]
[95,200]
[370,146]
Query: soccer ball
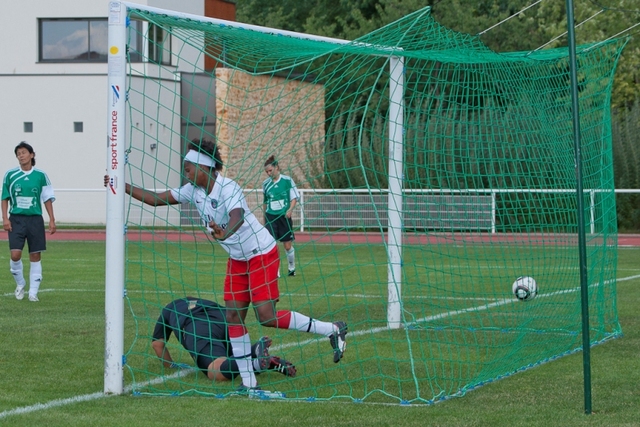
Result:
[525,288]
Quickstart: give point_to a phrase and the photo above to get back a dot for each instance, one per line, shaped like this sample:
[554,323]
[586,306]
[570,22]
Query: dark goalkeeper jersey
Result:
[195,322]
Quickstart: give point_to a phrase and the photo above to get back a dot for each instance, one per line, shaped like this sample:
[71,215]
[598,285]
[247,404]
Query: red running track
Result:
[624,240]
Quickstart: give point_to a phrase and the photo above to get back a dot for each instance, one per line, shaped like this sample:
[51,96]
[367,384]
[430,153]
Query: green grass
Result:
[52,353]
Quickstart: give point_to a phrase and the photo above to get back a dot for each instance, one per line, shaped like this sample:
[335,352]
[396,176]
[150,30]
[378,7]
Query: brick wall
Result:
[257,116]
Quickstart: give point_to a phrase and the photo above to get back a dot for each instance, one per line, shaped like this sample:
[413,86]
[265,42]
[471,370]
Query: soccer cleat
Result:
[243,389]
[19,293]
[338,341]
[33,298]
[285,367]
[260,351]
[258,393]
[291,273]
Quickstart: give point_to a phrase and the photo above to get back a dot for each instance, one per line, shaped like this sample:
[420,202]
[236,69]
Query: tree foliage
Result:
[597,20]
[541,26]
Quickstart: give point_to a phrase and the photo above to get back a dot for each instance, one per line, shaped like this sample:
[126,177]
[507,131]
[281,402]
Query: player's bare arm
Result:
[162,352]
[6,224]
[147,197]
[48,205]
[236,219]
[293,204]
[150,197]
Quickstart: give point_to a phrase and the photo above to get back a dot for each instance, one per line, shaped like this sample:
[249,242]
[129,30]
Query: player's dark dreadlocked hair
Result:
[208,147]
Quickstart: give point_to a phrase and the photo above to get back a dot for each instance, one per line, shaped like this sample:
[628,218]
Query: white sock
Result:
[17,272]
[303,323]
[291,258]
[35,277]
[242,354]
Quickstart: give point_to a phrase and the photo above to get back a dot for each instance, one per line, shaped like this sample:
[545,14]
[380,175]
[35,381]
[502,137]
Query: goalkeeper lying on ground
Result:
[201,328]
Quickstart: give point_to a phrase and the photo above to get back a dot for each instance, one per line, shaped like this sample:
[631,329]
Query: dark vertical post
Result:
[584,286]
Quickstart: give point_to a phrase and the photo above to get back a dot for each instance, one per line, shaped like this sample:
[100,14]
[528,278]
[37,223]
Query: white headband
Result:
[199,159]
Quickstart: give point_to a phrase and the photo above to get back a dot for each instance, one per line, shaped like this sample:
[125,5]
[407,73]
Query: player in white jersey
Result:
[24,190]
[254,263]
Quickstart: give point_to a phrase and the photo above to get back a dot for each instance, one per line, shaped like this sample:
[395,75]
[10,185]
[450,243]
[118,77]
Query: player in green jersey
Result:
[280,198]
[24,190]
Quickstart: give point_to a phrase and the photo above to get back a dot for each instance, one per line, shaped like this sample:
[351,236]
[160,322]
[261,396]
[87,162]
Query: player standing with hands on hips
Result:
[25,188]
[280,197]
[253,264]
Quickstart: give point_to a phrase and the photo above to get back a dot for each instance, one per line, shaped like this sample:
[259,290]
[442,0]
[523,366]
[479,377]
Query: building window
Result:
[135,41]
[28,127]
[73,40]
[77,127]
[150,43]
[159,45]
[86,39]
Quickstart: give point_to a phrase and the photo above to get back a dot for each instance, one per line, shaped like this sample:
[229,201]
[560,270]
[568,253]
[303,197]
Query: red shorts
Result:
[253,280]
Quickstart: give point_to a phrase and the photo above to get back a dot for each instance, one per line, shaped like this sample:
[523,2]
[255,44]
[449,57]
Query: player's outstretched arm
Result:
[161,350]
[147,197]
[150,197]
[163,354]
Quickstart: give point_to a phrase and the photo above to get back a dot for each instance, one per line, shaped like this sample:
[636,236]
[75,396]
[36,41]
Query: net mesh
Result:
[488,195]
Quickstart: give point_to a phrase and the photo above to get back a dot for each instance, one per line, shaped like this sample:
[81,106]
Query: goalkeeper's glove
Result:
[175,365]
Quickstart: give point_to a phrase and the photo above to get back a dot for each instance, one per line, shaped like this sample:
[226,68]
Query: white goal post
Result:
[115,231]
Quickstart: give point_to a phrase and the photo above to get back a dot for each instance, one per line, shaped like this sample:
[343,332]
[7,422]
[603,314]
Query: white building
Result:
[53,81]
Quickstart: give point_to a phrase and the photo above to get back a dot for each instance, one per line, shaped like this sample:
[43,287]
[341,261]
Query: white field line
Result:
[82,398]
[99,395]
[457,312]
[362,296]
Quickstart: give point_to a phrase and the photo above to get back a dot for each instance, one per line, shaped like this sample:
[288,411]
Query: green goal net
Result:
[432,171]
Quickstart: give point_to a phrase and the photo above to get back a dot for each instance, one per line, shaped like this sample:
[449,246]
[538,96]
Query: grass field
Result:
[51,358]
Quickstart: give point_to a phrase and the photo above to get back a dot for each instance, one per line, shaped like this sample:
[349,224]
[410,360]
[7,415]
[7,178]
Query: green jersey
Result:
[279,194]
[26,190]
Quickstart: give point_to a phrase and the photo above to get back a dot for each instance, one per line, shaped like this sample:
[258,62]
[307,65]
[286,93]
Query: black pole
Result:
[582,247]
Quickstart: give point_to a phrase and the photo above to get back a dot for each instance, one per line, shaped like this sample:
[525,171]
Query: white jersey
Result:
[250,239]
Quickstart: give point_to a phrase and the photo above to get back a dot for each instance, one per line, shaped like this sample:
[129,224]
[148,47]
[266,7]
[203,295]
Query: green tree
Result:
[541,26]
[350,19]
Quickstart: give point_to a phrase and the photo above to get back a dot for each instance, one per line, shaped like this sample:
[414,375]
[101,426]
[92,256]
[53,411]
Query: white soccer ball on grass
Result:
[525,288]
